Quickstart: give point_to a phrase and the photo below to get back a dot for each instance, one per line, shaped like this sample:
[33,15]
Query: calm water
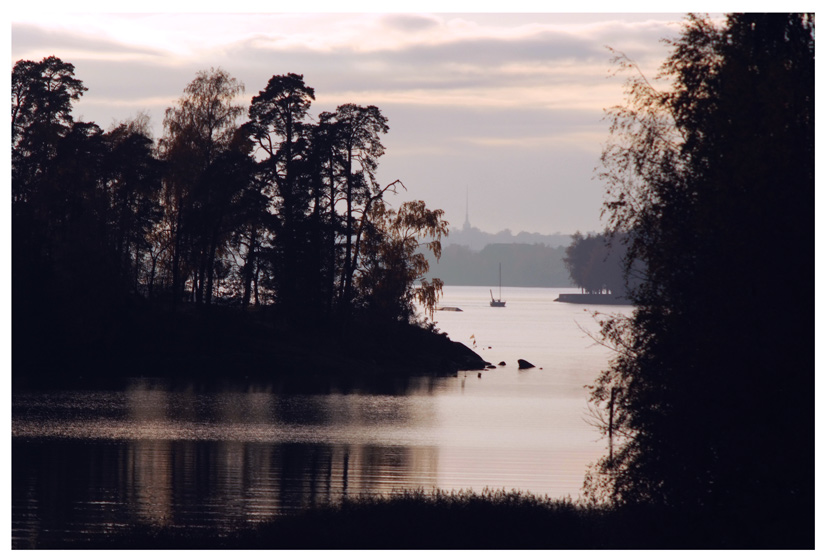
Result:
[94,461]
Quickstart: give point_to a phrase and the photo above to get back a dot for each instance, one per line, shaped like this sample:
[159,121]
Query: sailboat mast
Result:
[493,301]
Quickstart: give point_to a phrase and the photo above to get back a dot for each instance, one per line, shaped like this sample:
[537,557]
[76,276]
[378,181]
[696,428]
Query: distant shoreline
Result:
[601,299]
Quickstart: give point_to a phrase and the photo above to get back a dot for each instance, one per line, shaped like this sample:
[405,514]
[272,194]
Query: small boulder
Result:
[501,363]
[524,364]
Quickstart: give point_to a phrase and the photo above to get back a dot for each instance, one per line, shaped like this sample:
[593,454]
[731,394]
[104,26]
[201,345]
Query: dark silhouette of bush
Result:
[712,385]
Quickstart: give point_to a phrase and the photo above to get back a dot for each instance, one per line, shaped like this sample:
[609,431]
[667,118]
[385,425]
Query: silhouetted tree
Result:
[326,164]
[84,203]
[595,263]
[47,205]
[248,216]
[277,126]
[713,382]
[231,201]
[357,136]
[41,103]
[132,179]
[392,274]
[197,131]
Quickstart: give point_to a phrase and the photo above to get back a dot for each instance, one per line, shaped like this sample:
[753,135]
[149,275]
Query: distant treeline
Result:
[476,239]
[534,265]
[594,262]
[278,209]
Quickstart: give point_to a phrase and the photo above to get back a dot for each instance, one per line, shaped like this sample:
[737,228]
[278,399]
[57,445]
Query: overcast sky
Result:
[507,107]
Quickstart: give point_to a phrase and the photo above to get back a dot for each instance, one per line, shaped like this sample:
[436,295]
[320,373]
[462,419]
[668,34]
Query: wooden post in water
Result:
[610,425]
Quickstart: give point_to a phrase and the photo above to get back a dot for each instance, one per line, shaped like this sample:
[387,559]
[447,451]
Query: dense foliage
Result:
[282,211]
[710,399]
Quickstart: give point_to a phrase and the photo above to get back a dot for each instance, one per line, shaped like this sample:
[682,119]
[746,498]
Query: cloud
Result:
[409,22]
[491,71]
[30,41]
[498,67]
[438,59]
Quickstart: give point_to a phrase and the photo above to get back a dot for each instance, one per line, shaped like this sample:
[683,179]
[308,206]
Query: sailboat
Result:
[493,301]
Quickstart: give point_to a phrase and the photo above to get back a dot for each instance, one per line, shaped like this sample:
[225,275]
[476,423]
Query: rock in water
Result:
[524,364]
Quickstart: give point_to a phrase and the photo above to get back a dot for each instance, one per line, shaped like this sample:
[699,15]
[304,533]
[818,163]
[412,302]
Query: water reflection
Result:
[148,455]
[219,484]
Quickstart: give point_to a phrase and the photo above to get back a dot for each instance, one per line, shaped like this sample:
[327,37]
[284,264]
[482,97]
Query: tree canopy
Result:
[713,381]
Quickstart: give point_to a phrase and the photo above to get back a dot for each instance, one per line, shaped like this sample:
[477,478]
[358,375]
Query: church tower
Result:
[467,212]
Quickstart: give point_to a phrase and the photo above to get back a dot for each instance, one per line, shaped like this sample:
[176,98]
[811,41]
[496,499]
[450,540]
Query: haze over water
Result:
[90,460]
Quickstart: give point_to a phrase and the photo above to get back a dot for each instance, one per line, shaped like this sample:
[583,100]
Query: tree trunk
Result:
[347,277]
[200,276]
[249,268]
[213,249]
[177,288]
[332,235]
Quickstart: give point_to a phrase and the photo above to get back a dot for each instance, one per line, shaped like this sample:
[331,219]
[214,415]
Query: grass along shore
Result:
[459,520]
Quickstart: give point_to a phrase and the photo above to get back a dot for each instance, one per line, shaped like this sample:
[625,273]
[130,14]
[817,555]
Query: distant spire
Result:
[467,212]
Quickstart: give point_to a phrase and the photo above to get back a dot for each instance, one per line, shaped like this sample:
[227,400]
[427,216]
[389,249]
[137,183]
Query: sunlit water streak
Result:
[98,460]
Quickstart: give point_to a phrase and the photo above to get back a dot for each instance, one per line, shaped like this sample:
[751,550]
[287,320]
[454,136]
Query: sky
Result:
[503,109]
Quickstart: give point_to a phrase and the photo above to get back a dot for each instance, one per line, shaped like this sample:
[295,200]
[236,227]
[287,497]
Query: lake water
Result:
[95,461]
